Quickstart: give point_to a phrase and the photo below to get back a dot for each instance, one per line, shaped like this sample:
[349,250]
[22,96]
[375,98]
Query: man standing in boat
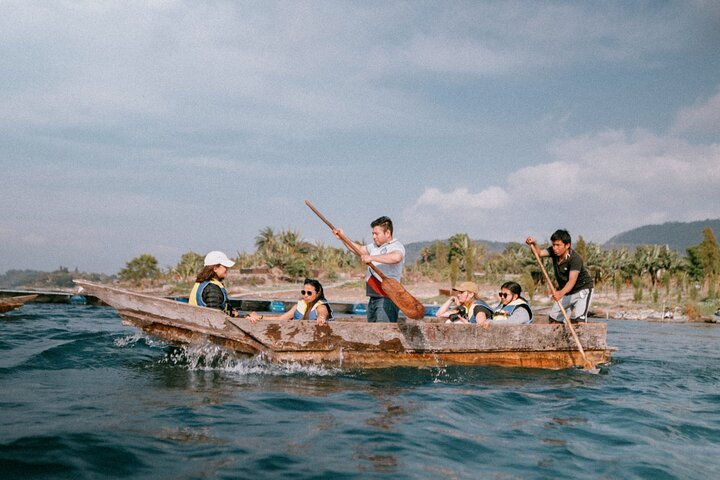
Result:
[388,255]
[575,285]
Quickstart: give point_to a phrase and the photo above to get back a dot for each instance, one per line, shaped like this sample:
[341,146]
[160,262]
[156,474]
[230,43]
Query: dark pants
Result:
[381,309]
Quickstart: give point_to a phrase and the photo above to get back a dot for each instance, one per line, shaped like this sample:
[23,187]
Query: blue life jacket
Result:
[195,297]
[470,312]
[501,312]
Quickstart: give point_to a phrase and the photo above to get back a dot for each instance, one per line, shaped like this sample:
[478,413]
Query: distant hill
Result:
[677,235]
[412,250]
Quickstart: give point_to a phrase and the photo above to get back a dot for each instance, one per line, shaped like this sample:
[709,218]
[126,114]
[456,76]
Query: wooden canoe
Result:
[355,343]
[11,303]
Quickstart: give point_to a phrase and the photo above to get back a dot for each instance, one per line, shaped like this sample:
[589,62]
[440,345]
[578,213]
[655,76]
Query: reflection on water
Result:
[84,396]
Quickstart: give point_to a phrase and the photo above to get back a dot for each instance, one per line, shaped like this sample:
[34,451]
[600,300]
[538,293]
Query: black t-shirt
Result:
[574,263]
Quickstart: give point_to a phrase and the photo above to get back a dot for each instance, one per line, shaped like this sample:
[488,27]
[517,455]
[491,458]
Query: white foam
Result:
[211,357]
[129,341]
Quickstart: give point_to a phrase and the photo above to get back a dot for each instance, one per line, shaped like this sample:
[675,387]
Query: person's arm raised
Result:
[358,249]
[444,310]
[542,252]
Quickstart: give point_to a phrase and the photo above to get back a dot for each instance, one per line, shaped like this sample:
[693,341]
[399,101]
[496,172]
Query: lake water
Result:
[83,396]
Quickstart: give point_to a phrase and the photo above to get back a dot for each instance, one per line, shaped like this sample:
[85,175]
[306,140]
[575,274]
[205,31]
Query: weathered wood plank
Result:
[8,304]
[354,343]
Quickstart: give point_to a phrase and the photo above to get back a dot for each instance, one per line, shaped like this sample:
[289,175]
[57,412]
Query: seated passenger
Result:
[465,307]
[512,309]
[209,290]
[312,306]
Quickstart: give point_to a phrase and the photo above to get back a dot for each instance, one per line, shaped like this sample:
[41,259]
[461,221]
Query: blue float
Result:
[276,306]
[359,309]
[77,300]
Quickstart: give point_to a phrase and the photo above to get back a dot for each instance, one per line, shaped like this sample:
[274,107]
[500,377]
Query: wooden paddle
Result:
[394,289]
[588,365]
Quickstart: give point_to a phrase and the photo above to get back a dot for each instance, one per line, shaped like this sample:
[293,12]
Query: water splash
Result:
[211,357]
[129,341]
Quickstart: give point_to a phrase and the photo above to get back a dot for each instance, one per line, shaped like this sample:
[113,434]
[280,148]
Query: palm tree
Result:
[708,253]
[189,265]
[465,251]
[265,240]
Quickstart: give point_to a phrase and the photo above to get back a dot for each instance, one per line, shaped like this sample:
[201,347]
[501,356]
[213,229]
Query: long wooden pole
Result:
[348,243]
[587,363]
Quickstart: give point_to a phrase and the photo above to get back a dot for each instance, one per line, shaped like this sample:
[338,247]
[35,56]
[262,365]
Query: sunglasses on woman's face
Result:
[503,294]
[307,292]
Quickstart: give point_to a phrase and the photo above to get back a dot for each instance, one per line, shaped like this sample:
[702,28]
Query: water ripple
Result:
[83,396]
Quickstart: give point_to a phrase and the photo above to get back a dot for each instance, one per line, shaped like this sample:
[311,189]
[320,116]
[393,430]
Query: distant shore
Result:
[604,305]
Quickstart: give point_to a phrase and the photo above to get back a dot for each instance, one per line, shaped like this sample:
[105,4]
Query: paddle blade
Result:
[402,298]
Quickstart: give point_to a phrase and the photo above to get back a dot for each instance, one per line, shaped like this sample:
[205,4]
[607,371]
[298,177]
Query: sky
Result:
[164,127]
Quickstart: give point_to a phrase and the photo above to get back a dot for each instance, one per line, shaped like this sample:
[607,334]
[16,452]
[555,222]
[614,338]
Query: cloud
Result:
[598,186]
[122,121]
[290,68]
[544,182]
[488,199]
[515,37]
[701,118]
[441,54]
[442,213]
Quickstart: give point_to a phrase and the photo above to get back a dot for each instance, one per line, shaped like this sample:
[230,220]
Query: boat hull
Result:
[8,304]
[354,343]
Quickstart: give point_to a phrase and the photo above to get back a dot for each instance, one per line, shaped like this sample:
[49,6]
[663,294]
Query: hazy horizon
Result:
[233,254]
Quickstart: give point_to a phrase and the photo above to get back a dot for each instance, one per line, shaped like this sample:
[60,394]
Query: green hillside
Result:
[677,235]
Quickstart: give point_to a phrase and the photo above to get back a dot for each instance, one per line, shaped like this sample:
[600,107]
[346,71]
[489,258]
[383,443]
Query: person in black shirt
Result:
[575,284]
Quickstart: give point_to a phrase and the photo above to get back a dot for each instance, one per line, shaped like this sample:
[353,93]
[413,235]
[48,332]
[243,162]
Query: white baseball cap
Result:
[218,258]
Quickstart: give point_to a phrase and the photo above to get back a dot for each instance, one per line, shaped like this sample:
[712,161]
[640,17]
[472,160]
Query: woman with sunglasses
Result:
[312,306]
[513,308]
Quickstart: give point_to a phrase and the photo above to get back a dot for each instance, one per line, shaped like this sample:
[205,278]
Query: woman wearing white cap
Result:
[209,290]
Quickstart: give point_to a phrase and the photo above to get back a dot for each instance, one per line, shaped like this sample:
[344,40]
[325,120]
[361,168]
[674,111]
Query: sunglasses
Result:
[307,292]
[503,294]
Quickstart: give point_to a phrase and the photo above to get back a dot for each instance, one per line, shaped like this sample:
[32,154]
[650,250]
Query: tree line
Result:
[648,269]
[62,277]
[284,250]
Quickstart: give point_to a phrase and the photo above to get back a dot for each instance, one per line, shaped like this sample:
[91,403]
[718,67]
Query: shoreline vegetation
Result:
[651,282]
